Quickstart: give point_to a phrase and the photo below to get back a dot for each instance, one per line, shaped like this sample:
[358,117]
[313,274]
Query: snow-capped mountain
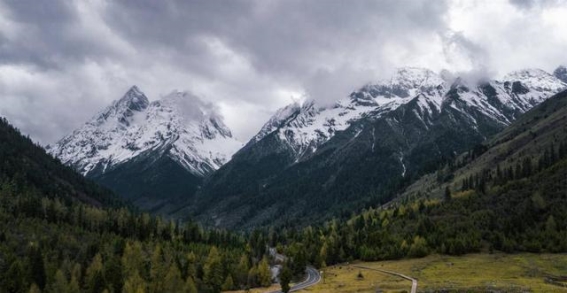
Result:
[189,130]
[310,155]
[305,127]
[178,127]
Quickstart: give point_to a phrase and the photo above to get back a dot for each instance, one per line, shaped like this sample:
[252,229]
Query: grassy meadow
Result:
[469,273]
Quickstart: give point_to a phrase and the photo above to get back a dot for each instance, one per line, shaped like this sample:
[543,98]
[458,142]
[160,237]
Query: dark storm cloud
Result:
[312,44]
[47,35]
[61,61]
[280,36]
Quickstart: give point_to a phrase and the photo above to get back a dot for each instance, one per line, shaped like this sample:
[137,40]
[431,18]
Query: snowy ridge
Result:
[305,128]
[178,125]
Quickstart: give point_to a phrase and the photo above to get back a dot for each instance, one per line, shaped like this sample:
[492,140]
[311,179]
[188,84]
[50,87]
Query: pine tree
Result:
[242,270]
[253,277]
[60,283]
[228,284]
[418,248]
[157,271]
[37,267]
[190,286]
[113,273]
[173,281]
[447,194]
[74,285]
[134,284]
[264,273]
[212,275]
[15,278]
[285,278]
[34,289]
[94,279]
[132,259]
[191,266]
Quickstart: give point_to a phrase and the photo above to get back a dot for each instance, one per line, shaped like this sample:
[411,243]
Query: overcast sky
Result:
[62,61]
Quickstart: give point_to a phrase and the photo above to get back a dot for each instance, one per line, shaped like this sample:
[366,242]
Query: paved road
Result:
[313,277]
[413,281]
[276,255]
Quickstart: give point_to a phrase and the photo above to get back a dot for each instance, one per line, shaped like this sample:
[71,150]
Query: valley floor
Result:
[469,273]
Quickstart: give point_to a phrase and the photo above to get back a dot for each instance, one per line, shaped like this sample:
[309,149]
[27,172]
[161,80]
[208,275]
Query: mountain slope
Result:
[508,194]
[310,162]
[150,152]
[60,232]
[26,166]
[531,138]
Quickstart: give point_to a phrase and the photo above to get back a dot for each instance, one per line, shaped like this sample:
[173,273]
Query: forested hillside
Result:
[309,163]
[27,168]
[508,195]
[62,233]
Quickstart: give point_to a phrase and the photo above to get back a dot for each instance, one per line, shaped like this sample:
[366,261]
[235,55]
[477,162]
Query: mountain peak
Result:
[416,77]
[536,78]
[190,107]
[134,99]
[561,73]
[179,125]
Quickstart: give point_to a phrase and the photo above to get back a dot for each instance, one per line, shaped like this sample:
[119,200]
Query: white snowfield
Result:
[306,127]
[178,125]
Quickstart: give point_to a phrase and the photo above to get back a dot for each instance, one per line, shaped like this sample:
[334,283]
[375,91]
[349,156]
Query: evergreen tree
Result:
[94,279]
[242,270]
[285,278]
[173,281]
[74,285]
[134,284]
[34,289]
[60,283]
[113,274]
[447,194]
[252,277]
[190,286]
[213,271]
[157,271]
[418,248]
[37,267]
[191,266]
[228,284]
[132,259]
[264,273]
[15,278]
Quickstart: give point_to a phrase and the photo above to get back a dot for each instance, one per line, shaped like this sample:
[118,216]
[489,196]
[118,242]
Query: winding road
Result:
[313,277]
[413,281]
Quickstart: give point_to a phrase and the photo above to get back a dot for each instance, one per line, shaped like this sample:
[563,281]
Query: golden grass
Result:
[470,273]
[272,288]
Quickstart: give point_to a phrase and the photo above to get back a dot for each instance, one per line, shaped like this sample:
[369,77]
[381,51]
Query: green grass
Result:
[470,273]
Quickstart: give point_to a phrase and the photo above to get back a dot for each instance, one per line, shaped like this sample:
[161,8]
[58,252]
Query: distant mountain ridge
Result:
[150,152]
[309,161]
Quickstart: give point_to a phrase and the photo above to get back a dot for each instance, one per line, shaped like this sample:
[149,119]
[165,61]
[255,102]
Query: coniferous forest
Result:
[62,233]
